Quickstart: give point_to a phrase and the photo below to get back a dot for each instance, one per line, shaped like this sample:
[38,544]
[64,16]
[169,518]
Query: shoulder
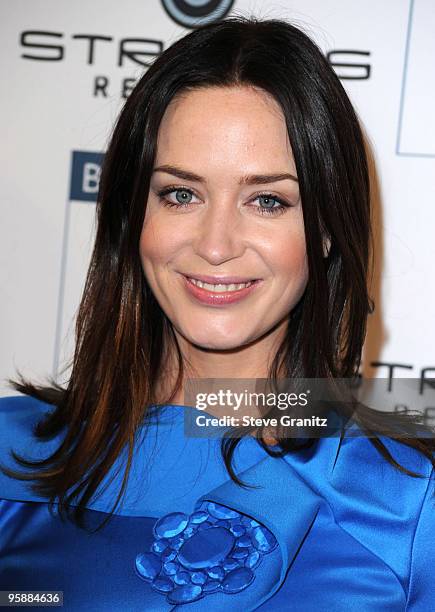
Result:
[365,473]
[421,595]
[370,459]
[355,467]
[383,507]
[19,416]
[20,405]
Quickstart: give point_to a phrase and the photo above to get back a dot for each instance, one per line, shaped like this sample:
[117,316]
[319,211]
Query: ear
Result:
[326,246]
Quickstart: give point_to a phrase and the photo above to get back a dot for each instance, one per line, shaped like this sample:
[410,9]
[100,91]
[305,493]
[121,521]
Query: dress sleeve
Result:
[421,595]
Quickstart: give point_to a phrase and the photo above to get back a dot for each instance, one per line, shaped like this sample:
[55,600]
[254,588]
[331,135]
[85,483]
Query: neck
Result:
[249,362]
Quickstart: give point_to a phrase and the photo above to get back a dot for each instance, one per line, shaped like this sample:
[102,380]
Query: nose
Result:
[219,237]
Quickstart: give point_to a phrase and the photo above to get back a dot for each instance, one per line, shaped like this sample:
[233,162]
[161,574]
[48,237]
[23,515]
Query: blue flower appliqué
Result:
[213,549]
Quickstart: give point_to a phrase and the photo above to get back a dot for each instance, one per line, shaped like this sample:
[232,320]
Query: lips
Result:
[220,287]
[221,280]
[221,298]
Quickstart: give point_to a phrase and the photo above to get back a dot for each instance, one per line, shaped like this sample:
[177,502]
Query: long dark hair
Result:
[121,329]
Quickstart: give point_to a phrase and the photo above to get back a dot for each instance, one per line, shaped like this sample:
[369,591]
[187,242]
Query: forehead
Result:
[224,125]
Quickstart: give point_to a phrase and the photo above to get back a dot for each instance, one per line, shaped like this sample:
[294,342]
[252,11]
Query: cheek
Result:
[158,243]
[288,256]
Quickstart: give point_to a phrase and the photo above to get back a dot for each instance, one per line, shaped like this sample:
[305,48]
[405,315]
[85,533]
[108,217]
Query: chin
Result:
[216,342]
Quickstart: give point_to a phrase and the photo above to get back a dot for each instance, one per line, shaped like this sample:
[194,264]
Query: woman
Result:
[237,160]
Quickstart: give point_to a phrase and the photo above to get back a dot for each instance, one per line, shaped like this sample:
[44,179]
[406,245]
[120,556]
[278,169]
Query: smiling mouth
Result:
[220,287]
[221,293]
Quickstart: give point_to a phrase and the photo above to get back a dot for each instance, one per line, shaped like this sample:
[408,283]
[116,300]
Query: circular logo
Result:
[194,13]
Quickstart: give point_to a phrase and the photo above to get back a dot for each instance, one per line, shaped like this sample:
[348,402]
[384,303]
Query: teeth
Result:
[220,288]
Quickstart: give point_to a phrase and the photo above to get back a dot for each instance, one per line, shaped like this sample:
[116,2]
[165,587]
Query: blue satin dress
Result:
[350,532]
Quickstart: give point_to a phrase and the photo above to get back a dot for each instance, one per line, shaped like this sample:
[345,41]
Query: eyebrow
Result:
[250,179]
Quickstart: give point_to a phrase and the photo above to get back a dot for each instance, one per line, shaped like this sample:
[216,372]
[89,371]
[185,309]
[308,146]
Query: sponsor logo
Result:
[194,13]
[94,49]
[85,175]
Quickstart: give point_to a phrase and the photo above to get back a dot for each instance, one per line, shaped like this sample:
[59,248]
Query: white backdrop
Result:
[53,56]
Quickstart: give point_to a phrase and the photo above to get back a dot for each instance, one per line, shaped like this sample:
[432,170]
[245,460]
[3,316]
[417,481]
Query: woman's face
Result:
[223,203]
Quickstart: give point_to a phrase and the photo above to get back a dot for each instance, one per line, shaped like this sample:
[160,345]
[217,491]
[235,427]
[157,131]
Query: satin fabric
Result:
[354,533]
